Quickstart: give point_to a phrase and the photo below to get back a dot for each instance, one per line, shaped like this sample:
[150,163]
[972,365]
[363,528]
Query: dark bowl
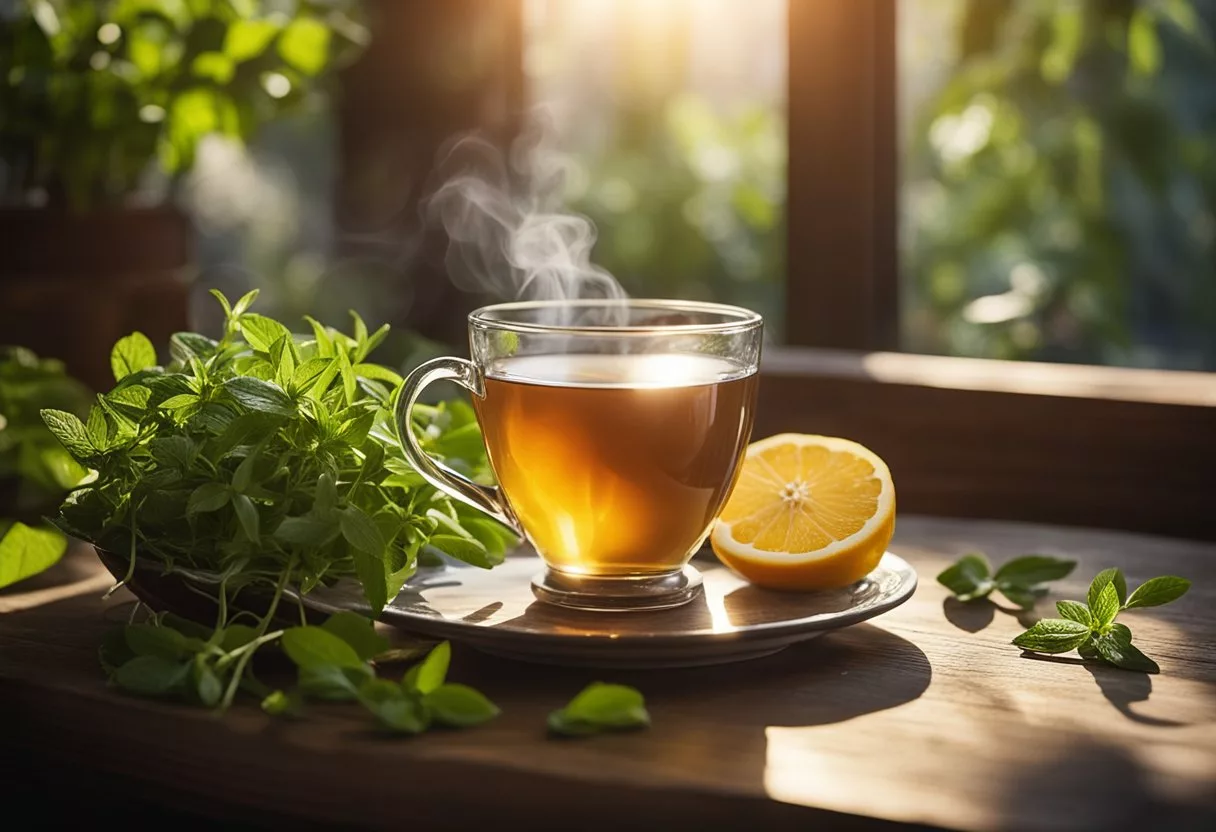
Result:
[191,594]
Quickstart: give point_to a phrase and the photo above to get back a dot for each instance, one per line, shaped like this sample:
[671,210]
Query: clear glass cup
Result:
[614,428]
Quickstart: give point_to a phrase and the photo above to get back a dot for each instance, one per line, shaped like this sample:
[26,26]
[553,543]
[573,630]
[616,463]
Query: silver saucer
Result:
[496,612]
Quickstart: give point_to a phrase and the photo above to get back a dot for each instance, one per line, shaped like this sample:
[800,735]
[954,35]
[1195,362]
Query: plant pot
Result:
[71,285]
[190,594]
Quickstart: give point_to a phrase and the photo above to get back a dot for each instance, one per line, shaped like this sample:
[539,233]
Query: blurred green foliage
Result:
[1060,191]
[36,468]
[92,92]
[689,203]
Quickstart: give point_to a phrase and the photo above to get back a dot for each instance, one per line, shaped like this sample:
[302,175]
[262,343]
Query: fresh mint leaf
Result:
[186,345]
[1157,591]
[1111,576]
[151,675]
[1053,635]
[430,673]
[132,354]
[245,302]
[1116,648]
[26,551]
[260,396]
[357,631]
[333,683]
[313,647]
[1105,607]
[1075,611]
[211,496]
[309,373]
[307,531]
[968,577]
[459,706]
[152,640]
[373,574]
[469,550]
[261,332]
[600,707]
[247,516]
[361,532]
[207,686]
[237,635]
[377,372]
[278,703]
[397,709]
[1031,570]
[70,432]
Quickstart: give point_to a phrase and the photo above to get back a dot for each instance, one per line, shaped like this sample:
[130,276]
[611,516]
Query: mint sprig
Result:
[1090,628]
[601,707]
[1020,580]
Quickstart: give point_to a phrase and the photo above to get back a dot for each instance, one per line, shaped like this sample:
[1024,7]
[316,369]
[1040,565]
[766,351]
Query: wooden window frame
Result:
[1100,446]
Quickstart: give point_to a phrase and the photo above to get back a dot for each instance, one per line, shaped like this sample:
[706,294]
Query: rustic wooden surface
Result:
[926,716]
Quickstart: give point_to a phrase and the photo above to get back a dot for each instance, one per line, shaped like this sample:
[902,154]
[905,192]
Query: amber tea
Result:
[616,465]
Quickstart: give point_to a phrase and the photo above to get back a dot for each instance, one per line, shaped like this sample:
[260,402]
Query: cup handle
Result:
[468,375]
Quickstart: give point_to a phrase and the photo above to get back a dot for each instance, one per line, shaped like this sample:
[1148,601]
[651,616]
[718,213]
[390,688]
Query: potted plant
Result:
[103,104]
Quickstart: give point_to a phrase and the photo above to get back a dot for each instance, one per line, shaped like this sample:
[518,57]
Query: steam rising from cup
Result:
[508,235]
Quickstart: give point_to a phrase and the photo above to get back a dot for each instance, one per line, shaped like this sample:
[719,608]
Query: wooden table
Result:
[926,716]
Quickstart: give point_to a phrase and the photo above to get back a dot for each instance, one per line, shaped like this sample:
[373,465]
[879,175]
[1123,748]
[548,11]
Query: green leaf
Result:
[211,496]
[70,432]
[333,683]
[151,675]
[1022,596]
[247,39]
[247,516]
[1053,635]
[1116,648]
[180,401]
[357,631]
[186,345]
[465,549]
[261,332]
[1157,591]
[245,302]
[305,45]
[361,532]
[278,703]
[1030,570]
[260,396]
[219,296]
[309,373]
[151,640]
[314,647]
[395,708]
[350,384]
[1107,576]
[1075,611]
[968,577]
[114,652]
[372,573]
[430,673]
[98,428]
[325,344]
[378,372]
[214,66]
[1143,45]
[307,530]
[206,684]
[132,354]
[1106,607]
[601,706]
[237,635]
[459,706]
[26,551]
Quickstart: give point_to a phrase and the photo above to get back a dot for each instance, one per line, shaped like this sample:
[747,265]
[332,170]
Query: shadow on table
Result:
[974,616]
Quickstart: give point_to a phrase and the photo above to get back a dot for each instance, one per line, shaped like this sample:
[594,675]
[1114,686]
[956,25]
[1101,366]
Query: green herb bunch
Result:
[270,459]
[1090,628]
